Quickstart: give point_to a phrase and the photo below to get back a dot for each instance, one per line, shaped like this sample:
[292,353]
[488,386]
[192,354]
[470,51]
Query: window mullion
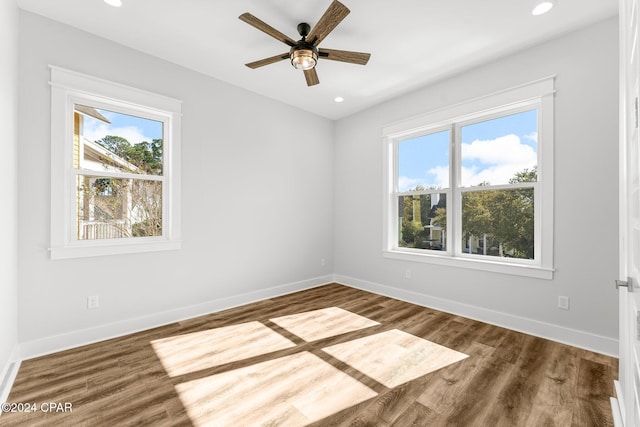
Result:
[515,186]
[122,175]
[455,217]
[394,234]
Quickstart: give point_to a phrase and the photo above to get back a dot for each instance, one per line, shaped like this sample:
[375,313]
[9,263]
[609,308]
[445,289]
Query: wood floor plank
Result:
[442,392]
[555,400]
[515,401]
[592,386]
[481,394]
[511,346]
[507,379]
[418,415]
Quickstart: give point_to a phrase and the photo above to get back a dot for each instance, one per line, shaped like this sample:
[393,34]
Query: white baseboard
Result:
[576,338]
[617,405]
[8,374]
[615,410]
[52,344]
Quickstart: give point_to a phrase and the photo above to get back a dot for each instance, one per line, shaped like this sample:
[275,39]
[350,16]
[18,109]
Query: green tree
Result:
[116,144]
[440,218]
[516,218]
[525,175]
[477,218]
[411,225]
[506,217]
[147,156]
[418,213]
[512,217]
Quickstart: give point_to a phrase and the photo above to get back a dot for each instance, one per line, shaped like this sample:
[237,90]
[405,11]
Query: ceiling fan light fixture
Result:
[304,55]
[304,58]
[542,6]
[114,3]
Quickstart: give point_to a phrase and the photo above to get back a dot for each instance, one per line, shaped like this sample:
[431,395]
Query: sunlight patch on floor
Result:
[289,391]
[183,354]
[394,357]
[327,322]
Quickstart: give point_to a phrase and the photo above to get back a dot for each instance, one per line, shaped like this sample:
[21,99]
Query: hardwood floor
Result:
[329,356]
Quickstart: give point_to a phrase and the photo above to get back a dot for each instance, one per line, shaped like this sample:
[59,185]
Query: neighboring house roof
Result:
[91,112]
[103,159]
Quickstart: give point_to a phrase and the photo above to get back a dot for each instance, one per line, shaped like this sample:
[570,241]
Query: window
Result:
[472,185]
[115,168]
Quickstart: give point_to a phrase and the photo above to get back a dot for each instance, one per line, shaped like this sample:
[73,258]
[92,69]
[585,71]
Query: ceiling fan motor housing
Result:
[303,29]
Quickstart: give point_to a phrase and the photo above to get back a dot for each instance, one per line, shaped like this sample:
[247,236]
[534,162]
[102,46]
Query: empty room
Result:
[319,213]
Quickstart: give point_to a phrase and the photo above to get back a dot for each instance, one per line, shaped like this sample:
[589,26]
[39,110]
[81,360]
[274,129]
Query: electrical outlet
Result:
[323,262]
[563,302]
[93,301]
[407,274]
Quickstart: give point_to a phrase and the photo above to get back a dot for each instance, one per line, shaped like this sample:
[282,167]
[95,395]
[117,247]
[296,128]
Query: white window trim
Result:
[540,92]
[69,87]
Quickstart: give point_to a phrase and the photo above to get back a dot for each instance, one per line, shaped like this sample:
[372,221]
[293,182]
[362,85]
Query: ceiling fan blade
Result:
[266,28]
[267,61]
[359,58]
[311,76]
[334,14]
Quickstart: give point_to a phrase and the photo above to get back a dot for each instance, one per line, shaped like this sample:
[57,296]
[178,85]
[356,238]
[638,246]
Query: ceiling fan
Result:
[304,53]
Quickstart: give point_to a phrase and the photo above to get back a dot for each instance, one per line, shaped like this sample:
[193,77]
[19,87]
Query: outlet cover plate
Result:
[93,301]
[563,302]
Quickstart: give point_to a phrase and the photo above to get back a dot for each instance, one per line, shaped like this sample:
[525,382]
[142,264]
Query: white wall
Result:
[8,177]
[257,200]
[261,208]
[586,130]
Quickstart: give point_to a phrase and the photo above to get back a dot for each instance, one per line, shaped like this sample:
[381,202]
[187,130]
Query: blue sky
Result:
[492,151]
[133,129]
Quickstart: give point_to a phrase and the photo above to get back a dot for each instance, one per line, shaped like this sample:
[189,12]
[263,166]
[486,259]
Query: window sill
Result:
[474,264]
[93,249]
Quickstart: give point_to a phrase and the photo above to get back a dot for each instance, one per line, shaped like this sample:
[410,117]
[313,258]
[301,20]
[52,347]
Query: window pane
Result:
[115,142]
[423,162]
[498,223]
[422,221]
[500,151]
[110,208]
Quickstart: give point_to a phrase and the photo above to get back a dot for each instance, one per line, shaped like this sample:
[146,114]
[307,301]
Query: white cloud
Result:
[94,130]
[405,183]
[496,161]
[439,179]
[533,136]
[441,174]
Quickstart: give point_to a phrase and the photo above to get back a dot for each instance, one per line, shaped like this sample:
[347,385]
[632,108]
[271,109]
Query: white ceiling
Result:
[412,42]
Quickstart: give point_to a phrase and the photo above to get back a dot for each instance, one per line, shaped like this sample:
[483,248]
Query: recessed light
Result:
[542,7]
[338,99]
[114,3]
